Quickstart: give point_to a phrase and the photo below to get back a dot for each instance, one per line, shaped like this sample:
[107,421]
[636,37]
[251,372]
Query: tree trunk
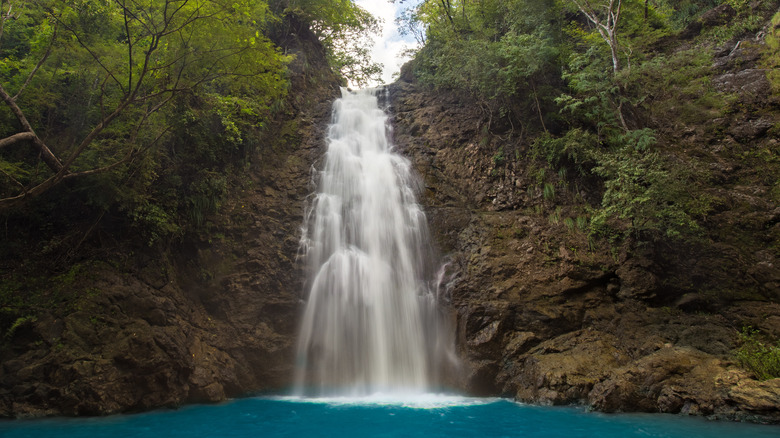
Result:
[613,47]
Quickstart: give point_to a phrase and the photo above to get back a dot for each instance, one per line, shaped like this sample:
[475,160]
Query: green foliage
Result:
[152,221]
[548,192]
[554,218]
[504,51]
[345,30]
[19,322]
[206,195]
[652,193]
[771,56]
[750,17]
[682,12]
[582,223]
[24,296]
[573,149]
[196,100]
[607,127]
[124,63]
[645,194]
[570,224]
[760,358]
[739,5]
[676,87]
[593,98]
[499,158]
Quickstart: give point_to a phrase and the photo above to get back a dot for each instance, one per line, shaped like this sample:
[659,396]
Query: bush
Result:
[771,59]
[762,359]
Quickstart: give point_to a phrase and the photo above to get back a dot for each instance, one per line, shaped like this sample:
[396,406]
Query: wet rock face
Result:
[545,317]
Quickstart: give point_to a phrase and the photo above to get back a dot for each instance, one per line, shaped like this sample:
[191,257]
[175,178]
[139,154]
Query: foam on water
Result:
[412,401]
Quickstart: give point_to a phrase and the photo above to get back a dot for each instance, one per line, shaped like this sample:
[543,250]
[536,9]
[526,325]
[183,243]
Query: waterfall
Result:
[371,322]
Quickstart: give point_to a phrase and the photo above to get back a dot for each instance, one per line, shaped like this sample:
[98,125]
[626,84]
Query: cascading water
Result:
[372,323]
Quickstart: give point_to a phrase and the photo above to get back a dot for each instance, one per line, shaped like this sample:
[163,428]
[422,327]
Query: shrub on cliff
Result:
[760,358]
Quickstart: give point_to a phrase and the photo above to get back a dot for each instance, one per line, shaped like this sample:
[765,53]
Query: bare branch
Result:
[135,17]
[132,153]
[62,175]
[20,198]
[22,136]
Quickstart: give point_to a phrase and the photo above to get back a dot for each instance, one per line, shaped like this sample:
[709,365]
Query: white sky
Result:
[389,45]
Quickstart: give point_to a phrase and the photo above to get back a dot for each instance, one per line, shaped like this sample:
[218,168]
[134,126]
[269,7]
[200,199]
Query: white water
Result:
[419,401]
[371,323]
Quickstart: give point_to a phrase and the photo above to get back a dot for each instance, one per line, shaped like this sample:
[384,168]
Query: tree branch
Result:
[607,26]
[91,53]
[21,136]
[12,179]
[129,48]
[46,154]
[3,17]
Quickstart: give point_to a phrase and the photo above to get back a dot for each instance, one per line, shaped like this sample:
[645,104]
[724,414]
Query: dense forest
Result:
[132,127]
[141,108]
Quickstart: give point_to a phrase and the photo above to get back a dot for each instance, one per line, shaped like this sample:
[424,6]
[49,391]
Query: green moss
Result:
[771,58]
[23,296]
[499,159]
[570,224]
[19,322]
[548,192]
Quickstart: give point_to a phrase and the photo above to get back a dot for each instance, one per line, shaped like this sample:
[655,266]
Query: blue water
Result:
[431,416]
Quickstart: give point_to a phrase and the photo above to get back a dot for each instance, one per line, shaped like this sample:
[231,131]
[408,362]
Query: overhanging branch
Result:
[47,155]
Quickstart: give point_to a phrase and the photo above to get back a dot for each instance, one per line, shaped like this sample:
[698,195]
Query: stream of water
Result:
[372,321]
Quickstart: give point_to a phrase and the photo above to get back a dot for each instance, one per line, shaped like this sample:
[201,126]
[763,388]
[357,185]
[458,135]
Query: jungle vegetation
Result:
[589,84]
[143,110]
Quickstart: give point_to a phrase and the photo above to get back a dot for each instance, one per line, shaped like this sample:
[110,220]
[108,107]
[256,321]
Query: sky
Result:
[389,45]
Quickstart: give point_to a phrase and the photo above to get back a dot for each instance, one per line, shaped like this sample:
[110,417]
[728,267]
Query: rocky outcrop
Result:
[547,316]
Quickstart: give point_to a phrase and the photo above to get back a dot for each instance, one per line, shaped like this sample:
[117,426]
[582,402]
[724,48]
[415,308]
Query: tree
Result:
[505,52]
[344,28]
[133,58]
[605,15]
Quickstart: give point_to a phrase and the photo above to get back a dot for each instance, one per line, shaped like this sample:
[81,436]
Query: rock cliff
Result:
[548,316]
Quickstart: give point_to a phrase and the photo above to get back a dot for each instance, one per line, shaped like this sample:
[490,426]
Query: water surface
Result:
[423,416]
